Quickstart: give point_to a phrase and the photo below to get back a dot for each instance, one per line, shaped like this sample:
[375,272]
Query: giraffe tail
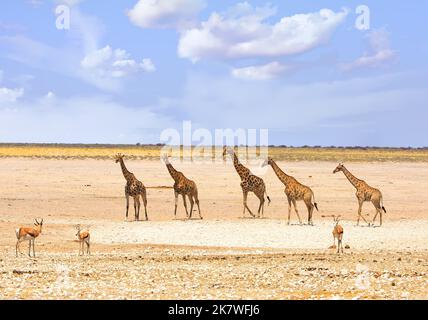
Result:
[267,197]
[383,208]
[315,204]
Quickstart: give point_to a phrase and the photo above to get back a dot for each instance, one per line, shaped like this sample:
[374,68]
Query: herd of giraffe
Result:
[294,191]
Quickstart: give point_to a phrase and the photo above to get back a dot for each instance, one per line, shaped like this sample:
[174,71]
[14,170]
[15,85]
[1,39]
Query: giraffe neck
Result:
[172,171]
[279,173]
[240,168]
[125,171]
[352,179]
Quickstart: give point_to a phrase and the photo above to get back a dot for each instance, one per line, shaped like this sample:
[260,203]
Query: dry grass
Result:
[357,154]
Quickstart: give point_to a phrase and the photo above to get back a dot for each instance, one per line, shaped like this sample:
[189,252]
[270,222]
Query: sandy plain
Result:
[222,256]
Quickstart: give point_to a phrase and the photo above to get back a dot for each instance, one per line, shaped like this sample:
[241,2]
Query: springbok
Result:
[337,233]
[30,234]
[84,238]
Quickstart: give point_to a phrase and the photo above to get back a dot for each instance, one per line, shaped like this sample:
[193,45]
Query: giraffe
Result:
[364,193]
[295,191]
[133,188]
[249,183]
[185,187]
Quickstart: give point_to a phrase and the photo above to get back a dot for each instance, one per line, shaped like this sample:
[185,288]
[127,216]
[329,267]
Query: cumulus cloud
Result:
[244,32]
[263,72]
[165,13]
[10,95]
[378,53]
[115,63]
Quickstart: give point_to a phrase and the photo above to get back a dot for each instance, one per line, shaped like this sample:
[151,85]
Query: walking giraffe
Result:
[364,193]
[133,188]
[295,191]
[183,186]
[249,183]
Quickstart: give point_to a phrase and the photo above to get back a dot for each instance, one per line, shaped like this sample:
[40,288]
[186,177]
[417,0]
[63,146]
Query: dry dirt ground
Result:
[221,256]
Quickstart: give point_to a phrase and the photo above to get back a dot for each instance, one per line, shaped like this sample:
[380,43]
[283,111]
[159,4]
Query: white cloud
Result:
[50,95]
[263,72]
[378,54]
[97,58]
[107,62]
[165,13]
[10,95]
[147,65]
[243,32]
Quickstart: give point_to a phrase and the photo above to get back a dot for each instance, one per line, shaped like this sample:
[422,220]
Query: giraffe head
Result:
[227,150]
[165,158]
[118,157]
[267,162]
[339,168]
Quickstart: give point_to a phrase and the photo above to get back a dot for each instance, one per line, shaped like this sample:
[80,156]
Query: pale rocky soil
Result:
[222,256]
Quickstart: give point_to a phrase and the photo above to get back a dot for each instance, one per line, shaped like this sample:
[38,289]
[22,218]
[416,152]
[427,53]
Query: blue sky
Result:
[127,70]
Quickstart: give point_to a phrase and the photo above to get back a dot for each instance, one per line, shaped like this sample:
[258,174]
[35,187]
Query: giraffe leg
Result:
[197,203]
[185,204]
[246,206]
[244,201]
[191,206]
[135,208]
[262,200]
[289,211]
[297,212]
[378,208]
[176,203]
[137,218]
[127,205]
[360,206]
[29,248]
[144,197]
[310,208]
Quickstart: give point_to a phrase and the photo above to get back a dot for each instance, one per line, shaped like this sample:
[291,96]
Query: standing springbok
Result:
[30,234]
[337,233]
[84,238]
